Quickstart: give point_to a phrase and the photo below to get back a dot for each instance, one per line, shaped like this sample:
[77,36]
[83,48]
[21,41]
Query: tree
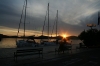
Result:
[90,37]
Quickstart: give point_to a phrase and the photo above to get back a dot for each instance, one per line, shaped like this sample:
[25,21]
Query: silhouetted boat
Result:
[49,43]
[25,42]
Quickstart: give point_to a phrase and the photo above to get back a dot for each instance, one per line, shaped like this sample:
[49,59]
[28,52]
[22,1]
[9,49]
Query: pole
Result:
[48,20]
[20,20]
[25,18]
[56,23]
[99,18]
[56,28]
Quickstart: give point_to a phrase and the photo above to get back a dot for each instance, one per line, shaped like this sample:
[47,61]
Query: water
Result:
[11,43]
[8,43]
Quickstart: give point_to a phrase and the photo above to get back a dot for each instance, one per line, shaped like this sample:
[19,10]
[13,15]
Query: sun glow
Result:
[64,35]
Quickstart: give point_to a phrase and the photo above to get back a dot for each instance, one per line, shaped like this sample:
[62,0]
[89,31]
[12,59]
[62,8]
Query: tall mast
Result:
[20,20]
[44,21]
[48,19]
[56,28]
[25,17]
[56,23]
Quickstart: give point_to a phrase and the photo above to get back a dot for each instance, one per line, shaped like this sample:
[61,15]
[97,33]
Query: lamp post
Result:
[91,25]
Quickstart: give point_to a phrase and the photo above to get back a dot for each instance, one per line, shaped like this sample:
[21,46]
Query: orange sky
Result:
[11,32]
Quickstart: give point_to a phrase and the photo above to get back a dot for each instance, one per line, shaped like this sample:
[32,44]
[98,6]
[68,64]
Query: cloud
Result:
[12,31]
[73,15]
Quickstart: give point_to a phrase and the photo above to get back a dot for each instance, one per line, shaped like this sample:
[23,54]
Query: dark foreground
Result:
[86,58]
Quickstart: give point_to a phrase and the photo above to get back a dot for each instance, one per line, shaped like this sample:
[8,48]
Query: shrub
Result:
[90,37]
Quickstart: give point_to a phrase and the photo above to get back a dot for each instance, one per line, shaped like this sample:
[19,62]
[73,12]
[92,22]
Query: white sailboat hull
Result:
[23,43]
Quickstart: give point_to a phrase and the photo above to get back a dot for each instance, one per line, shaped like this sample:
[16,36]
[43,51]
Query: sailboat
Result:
[24,42]
[50,43]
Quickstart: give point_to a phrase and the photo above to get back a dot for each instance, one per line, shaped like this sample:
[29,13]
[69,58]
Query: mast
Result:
[20,20]
[48,20]
[56,23]
[44,21]
[57,28]
[25,18]
[99,18]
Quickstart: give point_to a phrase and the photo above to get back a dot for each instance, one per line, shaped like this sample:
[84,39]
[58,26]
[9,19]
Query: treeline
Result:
[73,37]
[30,37]
[39,37]
[5,36]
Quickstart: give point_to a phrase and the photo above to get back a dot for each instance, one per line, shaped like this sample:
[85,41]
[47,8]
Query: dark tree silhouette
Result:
[91,37]
[1,36]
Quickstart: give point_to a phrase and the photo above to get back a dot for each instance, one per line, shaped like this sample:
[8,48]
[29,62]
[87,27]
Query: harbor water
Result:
[11,43]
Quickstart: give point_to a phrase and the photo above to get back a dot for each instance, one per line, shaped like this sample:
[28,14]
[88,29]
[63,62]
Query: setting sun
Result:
[64,35]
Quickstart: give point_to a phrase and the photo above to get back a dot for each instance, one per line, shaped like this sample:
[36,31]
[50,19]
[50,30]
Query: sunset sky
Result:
[73,16]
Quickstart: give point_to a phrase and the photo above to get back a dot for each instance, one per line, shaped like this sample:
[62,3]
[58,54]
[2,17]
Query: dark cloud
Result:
[73,15]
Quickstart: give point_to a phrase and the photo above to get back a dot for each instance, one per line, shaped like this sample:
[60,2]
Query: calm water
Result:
[10,43]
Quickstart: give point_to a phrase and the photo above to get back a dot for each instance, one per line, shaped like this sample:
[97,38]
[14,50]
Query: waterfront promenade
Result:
[81,57]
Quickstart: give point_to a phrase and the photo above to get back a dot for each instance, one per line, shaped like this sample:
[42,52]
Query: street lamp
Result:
[91,25]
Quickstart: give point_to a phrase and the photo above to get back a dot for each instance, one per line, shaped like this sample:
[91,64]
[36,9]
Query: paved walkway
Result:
[49,58]
[87,58]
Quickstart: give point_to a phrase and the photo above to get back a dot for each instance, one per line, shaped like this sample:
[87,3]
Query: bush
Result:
[90,37]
